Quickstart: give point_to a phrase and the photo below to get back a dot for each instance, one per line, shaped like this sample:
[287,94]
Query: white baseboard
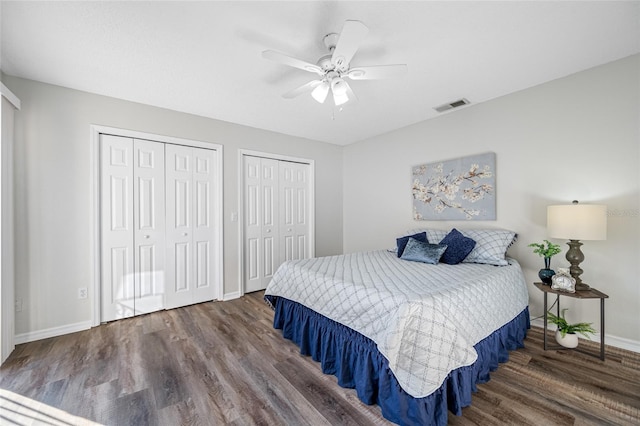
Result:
[618,342]
[231,296]
[32,336]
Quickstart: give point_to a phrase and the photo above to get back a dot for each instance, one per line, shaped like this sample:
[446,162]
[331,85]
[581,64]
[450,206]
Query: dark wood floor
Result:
[223,363]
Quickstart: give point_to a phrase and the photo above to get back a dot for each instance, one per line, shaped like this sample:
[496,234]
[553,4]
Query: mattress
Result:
[424,319]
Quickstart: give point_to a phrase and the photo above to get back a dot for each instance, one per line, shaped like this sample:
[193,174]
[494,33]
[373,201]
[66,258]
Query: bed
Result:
[413,337]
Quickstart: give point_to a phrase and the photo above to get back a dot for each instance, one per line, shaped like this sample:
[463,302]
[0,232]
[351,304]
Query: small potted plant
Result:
[547,250]
[566,333]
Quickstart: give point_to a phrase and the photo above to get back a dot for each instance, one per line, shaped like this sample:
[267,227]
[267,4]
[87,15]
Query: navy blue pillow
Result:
[418,251]
[402,241]
[458,247]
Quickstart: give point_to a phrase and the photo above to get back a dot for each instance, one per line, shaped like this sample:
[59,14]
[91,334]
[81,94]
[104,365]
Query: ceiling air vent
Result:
[452,105]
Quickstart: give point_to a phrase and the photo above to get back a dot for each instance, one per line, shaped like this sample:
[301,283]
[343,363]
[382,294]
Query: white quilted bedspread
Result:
[424,318]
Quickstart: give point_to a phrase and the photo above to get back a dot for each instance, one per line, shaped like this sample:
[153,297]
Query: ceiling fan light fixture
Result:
[320,92]
[338,86]
[335,67]
[340,99]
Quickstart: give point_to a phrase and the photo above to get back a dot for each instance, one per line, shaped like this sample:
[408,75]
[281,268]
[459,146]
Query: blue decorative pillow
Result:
[419,251]
[402,241]
[458,247]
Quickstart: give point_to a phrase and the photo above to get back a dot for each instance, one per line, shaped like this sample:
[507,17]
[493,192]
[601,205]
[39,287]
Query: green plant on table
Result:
[564,327]
[546,249]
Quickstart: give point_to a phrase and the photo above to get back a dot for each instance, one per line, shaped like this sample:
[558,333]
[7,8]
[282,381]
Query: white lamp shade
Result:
[577,222]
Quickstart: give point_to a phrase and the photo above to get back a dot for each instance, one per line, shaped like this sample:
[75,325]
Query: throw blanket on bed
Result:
[424,318]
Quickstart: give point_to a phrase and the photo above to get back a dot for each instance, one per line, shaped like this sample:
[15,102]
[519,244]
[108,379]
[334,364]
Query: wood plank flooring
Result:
[223,363]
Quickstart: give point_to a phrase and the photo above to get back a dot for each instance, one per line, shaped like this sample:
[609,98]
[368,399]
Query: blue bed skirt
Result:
[354,359]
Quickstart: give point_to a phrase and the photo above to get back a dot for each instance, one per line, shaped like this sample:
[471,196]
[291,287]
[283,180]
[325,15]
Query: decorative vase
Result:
[569,340]
[546,273]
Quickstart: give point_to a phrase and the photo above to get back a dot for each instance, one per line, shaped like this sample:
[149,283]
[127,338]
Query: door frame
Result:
[312,203]
[7,270]
[94,169]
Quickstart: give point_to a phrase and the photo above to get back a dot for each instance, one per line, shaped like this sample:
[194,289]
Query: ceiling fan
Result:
[333,68]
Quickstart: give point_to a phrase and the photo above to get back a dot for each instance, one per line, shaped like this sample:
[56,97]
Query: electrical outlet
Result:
[19,304]
[82,293]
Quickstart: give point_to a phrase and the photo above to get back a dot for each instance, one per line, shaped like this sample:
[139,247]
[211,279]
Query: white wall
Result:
[52,208]
[572,138]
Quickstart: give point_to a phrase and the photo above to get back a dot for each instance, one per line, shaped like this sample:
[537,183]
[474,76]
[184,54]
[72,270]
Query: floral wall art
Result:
[458,189]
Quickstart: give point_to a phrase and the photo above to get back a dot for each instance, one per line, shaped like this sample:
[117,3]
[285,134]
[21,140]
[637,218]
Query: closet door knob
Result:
[268,230]
[184,234]
[146,236]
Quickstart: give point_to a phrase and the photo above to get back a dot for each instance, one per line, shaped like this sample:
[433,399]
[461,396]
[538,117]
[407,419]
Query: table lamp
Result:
[576,222]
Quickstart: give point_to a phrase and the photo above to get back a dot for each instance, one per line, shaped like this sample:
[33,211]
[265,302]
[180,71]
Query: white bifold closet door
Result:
[190,182]
[133,227]
[276,217]
[157,226]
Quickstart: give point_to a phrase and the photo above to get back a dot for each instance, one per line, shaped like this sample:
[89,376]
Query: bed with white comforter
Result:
[425,319]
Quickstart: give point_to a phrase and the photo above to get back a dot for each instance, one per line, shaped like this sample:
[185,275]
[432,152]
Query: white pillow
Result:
[491,245]
[434,236]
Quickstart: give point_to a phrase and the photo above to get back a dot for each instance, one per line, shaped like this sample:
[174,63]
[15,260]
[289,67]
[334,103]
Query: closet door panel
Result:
[288,247]
[149,223]
[203,264]
[191,217]
[252,228]
[117,225]
[179,244]
[294,222]
[204,231]
[269,260]
[270,216]
[252,249]
[182,262]
[303,244]
[253,218]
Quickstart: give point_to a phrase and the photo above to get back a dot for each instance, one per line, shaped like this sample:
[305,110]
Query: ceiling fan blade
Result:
[320,92]
[308,87]
[351,36]
[377,72]
[292,62]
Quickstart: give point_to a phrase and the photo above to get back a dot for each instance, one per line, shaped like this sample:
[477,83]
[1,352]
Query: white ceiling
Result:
[205,58]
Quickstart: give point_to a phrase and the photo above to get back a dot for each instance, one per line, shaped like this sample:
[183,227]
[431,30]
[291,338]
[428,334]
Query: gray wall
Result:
[572,138]
[52,178]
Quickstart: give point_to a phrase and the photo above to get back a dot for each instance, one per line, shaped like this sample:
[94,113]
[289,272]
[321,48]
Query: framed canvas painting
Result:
[458,189]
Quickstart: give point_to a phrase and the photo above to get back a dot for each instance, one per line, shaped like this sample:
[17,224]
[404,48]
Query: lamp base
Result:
[582,287]
[574,257]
